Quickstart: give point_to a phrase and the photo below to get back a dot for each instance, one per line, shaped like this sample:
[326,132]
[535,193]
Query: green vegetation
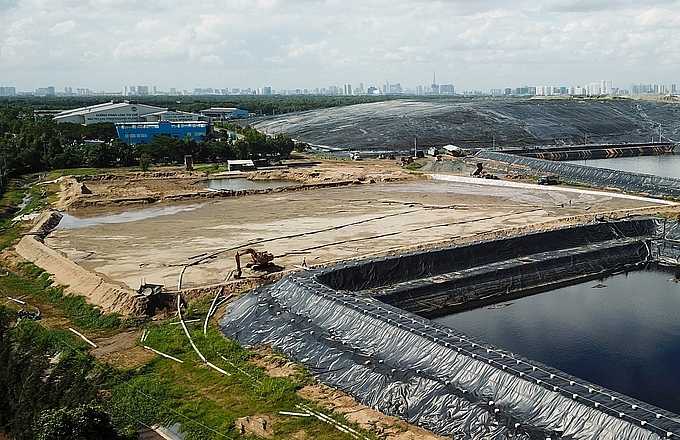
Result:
[84,422]
[78,395]
[41,371]
[35,282]
[414,166]
[256,104]
[29,144]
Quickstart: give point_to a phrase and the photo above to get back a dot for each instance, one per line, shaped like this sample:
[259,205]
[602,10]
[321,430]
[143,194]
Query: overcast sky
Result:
[288,44]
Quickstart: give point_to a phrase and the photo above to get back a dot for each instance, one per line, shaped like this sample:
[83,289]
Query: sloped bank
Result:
[395,361]
[79,281]
[602,177]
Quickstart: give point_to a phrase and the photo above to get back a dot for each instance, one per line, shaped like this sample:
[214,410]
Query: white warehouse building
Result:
[125,111]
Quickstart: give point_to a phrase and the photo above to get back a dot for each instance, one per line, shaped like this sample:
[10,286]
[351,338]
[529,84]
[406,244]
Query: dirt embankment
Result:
[79,281]
[171,186]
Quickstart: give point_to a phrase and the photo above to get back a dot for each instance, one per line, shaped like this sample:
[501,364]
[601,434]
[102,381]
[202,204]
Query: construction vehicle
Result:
[258,259]
[548,180]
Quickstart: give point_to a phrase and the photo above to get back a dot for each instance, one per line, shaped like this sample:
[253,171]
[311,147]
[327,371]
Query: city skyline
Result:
[103,45]
[603,87]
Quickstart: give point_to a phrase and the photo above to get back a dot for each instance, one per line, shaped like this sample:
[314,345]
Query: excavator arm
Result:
[258,259]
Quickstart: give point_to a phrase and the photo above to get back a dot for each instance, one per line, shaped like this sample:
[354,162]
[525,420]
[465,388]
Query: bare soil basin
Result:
[153,243]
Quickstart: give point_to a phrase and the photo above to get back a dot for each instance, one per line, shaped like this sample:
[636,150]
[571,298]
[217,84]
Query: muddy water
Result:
[622,332]
[132,214]
[240,183]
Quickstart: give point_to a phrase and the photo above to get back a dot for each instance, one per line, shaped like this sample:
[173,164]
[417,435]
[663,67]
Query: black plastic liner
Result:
[370,274]
[443,294]
[593,151]
[602,177]
[432,376]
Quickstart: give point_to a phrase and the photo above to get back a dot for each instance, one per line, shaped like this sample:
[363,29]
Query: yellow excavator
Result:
[258,259]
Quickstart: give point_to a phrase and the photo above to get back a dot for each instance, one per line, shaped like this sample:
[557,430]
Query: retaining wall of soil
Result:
[78,281]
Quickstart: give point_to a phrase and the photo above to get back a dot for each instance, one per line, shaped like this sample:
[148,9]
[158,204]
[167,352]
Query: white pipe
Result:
[213,366]
[211,310]
[186,330]
[164,355]
[83,337]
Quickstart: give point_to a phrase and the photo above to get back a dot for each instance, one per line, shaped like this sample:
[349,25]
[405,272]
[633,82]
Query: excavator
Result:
[259,259]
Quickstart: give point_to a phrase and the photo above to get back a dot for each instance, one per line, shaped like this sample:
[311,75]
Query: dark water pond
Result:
[240,183]
[622,332]
[667,165]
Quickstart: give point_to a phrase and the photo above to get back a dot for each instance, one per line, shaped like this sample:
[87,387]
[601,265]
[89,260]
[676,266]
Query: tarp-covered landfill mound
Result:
[602,177]
[404,365]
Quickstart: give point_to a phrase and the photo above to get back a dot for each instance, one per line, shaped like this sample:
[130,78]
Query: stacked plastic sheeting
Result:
[427,374]
[603,177]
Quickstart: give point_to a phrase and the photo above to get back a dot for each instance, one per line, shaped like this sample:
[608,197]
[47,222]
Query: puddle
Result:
[240,183]
[71,222]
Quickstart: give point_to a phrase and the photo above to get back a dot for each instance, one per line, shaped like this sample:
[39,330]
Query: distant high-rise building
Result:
[347,90]
[524,90]
[434,87]
[142,90]
[129,90]
[45,91]
[394,89]
[8,91]
[674,89]
[447,89]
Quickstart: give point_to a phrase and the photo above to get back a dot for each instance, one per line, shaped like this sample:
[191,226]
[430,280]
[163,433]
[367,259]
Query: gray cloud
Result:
[8,4]
[310,43]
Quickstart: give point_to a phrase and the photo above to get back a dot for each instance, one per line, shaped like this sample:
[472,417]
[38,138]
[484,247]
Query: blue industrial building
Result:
[138,132]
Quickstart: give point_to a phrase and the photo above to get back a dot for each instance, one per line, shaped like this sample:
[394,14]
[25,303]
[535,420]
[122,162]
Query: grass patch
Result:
[414,166]
[208,403]
[212,168]
[36,282]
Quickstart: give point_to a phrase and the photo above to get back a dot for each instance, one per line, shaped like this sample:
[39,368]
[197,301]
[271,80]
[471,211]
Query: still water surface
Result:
[667,165]
[240,183]
[622,332]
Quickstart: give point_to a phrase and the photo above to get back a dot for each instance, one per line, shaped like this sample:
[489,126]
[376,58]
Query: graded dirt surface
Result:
[321,227]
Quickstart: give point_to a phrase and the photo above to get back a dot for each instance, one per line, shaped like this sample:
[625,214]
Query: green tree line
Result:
[29,145]
[256,104]
[48,390]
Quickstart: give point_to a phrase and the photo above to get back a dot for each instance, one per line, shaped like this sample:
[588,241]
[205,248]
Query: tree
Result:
[84,422]
[144,162]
